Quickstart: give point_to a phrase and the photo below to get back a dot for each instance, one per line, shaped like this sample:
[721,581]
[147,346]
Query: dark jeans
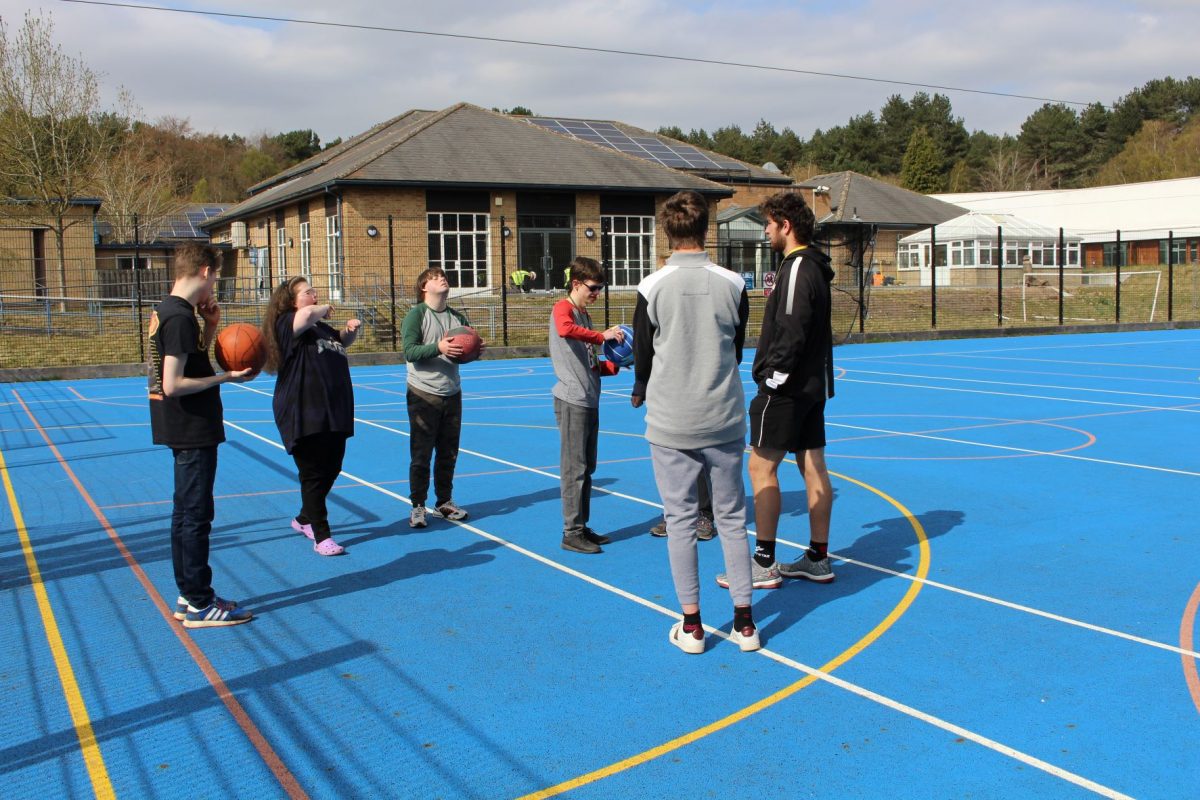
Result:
[434,423]
[191,522]
[319,459]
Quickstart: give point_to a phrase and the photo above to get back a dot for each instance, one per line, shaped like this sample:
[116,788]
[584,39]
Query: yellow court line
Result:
[649,755]
[101,785]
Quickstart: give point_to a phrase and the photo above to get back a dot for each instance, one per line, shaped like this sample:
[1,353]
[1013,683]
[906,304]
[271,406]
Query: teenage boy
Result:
[434,398]
[578,368]
[186,415]
[689,326]
[794,372]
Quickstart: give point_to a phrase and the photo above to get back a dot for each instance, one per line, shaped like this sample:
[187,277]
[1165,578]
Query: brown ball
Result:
[240,346]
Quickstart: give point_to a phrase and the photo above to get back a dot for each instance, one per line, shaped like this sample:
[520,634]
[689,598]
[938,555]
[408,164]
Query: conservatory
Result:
[967,251]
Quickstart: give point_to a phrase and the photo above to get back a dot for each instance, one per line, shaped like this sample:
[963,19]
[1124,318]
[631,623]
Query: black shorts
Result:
[779,422]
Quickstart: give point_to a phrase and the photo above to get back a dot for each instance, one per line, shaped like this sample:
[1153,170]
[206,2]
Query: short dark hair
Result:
[684,218]
[585,269]
[192,257]
[790,206]
[425,277]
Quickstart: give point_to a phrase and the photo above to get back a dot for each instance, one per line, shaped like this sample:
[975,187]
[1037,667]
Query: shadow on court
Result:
[889,543]
[410,565]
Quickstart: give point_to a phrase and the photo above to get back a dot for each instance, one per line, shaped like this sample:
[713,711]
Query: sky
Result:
[249,77]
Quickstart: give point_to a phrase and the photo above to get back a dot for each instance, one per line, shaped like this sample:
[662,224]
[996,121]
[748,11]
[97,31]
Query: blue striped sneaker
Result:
[181,606]
[217,614]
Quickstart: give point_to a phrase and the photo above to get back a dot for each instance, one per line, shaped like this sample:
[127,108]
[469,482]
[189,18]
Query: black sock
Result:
[764,553]
[691,622]
[742,618]
[817,550]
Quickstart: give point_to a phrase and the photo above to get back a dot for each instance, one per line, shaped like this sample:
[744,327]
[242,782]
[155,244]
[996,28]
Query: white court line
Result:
[887,702]
[1026,609]
[1088,346]
[994,393]
[1083,376]
[1010,449]
[858,371]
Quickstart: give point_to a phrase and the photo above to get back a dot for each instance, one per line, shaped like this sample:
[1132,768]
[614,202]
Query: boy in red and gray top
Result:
[578,367]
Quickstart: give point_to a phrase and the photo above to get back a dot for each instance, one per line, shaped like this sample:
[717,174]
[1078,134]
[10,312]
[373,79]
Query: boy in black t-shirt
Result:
[186,415]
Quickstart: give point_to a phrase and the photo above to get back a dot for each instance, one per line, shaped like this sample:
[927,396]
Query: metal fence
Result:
[104,320]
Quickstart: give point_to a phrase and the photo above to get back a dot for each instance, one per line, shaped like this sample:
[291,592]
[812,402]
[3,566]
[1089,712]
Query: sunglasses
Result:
[594,289]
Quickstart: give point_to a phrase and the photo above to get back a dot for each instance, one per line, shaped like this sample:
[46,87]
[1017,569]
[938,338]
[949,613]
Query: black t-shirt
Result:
[313,393]
[191,420]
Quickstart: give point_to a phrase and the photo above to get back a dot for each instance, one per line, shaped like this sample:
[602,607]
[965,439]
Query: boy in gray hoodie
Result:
[689,326]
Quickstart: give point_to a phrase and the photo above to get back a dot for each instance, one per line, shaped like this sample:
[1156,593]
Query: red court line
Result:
[268,755]
[1186,627]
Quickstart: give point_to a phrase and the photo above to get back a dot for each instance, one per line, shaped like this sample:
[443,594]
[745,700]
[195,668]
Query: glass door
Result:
[548,253]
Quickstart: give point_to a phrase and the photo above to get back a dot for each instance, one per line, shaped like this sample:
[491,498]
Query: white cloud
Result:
[238,76]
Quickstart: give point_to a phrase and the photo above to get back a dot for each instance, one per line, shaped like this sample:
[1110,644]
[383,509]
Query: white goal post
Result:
[1084,279]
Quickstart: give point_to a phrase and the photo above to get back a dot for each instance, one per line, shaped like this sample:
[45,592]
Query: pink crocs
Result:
[328,547]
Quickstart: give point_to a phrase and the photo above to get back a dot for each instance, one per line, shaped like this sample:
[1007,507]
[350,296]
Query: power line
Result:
[578,48]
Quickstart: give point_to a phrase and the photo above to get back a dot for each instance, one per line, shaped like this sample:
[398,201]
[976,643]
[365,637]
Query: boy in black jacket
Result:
[794,372]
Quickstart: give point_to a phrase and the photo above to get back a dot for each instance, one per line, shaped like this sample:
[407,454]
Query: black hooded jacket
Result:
[795,348]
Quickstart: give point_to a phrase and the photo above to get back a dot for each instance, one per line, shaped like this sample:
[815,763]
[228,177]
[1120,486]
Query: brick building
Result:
[474,192]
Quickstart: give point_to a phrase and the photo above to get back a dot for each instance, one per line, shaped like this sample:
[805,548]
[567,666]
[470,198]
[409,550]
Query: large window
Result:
[333,255]
[458,244]
[281,252]
[630,248]
[305,251]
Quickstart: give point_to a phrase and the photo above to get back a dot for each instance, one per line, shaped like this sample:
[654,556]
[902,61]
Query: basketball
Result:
[621,352]
[240,346]
[468,340]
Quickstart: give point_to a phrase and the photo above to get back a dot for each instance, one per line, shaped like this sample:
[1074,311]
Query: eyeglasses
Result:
[309,290]
[594,289]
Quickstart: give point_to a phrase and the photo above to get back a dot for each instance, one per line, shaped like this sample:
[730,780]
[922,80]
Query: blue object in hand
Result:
[621,352]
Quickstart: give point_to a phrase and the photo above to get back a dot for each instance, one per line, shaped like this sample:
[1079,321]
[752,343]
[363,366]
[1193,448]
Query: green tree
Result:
[200,192]
[1052,140]
[920,170]
[256,166]
[296,146]
[899,118]
[53,140]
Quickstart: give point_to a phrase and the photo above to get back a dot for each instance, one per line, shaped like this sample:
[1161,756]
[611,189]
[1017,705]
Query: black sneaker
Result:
[595,538]
[579,543]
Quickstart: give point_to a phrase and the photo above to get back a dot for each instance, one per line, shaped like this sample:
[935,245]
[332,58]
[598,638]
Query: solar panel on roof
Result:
[652,149]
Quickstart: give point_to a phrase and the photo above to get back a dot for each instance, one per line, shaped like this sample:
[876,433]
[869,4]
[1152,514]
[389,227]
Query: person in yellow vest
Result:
[523,279]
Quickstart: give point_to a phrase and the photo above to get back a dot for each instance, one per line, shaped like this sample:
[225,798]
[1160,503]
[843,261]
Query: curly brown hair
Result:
[283,301]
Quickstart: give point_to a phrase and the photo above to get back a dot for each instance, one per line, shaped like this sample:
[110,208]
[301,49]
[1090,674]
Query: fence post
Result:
[604,259]
[1119,259]
[392,278]
[137,287]
[504,233]
[1062,256]
[1170,276]
[999,279]
[862,281]
[933,277]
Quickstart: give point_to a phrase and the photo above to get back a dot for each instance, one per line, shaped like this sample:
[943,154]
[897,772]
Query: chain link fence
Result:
[100,317]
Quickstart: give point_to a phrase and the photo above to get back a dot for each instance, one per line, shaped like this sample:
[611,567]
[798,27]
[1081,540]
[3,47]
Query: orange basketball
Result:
[240,346]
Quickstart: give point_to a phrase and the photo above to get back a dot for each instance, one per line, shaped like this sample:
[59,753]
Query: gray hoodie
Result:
[688,331]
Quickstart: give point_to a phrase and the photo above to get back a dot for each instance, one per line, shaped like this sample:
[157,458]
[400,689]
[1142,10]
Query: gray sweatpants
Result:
[675,472]
[578,432]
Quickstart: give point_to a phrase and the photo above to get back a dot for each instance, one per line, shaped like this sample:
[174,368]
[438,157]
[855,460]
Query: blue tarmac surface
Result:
[1014,613]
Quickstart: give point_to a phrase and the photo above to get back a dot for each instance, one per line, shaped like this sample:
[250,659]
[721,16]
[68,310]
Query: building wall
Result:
[79,252]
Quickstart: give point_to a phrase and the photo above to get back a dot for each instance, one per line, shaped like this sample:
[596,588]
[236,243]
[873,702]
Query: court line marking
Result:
[1079,346]
[1050,453]
[1193,398]
[272,760]
[994,393]
[93,759]
[1186,627]
[799,546]
[1053,374]
[813,674]
[1185,650]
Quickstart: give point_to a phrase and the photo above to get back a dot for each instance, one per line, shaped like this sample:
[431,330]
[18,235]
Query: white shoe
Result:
[748,642]
[416,519]
[687,642]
